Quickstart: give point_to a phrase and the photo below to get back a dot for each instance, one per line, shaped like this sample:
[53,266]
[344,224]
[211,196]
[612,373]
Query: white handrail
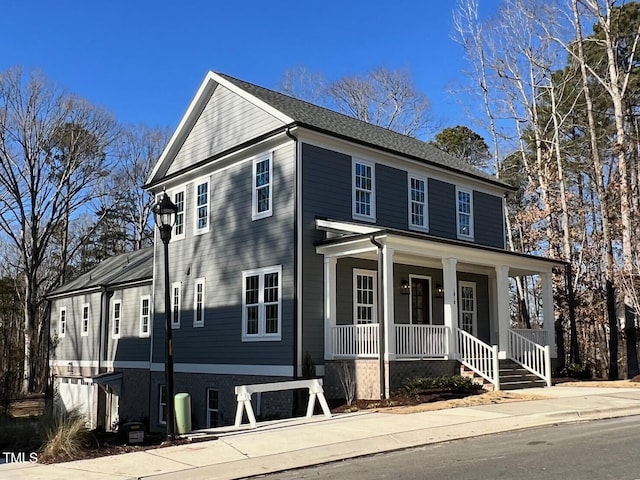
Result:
[533,357]
[422,340]
[479,357]
[535,335]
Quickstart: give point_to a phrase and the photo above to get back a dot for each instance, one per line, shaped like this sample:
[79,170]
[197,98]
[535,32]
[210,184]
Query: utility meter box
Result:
[133,432]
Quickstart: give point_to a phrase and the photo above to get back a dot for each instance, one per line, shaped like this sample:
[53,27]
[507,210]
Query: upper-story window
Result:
[418,213]
[62,322]
[364,192]
[262,191]
[85,320]
[176,291]
[198,303]
[178,227]
[145,315]
[464,215]
[202,206]
[117,317]
[262,304]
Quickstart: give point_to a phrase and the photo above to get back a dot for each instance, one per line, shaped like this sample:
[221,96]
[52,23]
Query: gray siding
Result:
[226,121]
[442,209]
[482,294]
[74,346]
[130,346]
[488,224]
[234,243]
[392,197]
[344,292]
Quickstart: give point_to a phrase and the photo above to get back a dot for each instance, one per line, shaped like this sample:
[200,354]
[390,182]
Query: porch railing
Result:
[355,340]
[479,357]
[422,341]
[536,336]
[532,356]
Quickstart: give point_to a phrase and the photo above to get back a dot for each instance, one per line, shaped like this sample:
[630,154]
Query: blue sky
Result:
[144,60]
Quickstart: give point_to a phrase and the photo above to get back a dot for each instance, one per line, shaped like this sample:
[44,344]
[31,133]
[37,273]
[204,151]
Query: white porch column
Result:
[548,316]
[450,285]
[330,289]
[388,315]
[504,317]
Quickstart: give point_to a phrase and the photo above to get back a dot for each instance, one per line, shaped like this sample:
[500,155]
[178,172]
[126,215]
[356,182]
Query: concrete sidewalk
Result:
[288,444]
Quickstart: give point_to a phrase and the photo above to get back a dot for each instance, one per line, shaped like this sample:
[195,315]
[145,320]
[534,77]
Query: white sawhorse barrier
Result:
[243,395]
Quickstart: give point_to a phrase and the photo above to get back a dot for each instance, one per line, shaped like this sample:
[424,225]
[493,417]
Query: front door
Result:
[420,300]
[467,317]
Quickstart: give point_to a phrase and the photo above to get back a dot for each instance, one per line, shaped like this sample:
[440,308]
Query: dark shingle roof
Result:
[322,119]
[124,268]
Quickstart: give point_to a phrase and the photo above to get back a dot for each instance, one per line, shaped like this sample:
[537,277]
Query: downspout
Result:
[297,329]
[380,319]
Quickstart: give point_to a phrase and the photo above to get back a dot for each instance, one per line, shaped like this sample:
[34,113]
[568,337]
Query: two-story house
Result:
[304,232]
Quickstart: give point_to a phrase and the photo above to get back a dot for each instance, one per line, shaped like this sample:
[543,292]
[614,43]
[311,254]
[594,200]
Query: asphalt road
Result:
[605,449]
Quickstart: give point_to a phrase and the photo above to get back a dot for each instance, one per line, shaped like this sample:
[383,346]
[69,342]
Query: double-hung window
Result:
[62,322]
[262,304]
[418,214]
[262,196]
[85,320]
[202,206]
[145,315]
[198,303]
[212,407]
[178,226]
[363,190]
[176,294]
[364,297]
[464,215]
[117,317]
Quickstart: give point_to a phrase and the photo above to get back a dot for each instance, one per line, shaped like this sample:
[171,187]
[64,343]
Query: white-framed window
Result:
[364,296]
[62,322]
[178,226]
[116,318]
[464,213]
[363,191]
[176,299]
[145,315]
[262,304]
[162,405]
[418,213]
[198,302]
[84,328]
[212,407]
[201,196]
[262,191]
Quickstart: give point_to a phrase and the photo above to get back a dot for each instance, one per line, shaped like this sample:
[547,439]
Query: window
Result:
[418,217]
[117,306]
[364,199]
[178,227]
[364,297]
[212,407]
[261,304]
[467,317]
[162,405]
[202,206]
[145,315]
[62,322]
[464,218]
[262,192]
[176,289]
[198,303]
[85,320]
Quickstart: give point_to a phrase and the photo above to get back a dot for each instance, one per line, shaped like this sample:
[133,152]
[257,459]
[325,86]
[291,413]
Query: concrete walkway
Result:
[288,444]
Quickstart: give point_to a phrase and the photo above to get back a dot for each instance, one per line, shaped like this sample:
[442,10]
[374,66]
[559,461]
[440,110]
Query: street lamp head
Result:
[164,211]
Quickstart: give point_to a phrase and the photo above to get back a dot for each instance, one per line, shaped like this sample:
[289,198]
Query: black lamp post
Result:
[164,213]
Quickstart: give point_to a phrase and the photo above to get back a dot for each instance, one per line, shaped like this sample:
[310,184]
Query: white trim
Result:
[85,332]
[95,363]
[201,181]
[300,249]
[142,333]
[174,285]
[228,369]
[172,194]
[372,191]
[113,319]
[474,312]
[199,322]
[374,312]
[344,227]
[255,215]
[261,304]
[62,332]
[429,294]
[425,215]
[459,234]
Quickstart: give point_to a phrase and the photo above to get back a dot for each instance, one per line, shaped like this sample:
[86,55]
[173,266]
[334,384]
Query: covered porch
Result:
[396,296]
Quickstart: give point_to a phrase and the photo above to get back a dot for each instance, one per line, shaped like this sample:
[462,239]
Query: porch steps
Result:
[512,377]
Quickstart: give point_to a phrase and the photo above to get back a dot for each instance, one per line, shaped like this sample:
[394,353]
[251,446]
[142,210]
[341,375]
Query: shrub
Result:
[575,370]
[454,383]
[65,436]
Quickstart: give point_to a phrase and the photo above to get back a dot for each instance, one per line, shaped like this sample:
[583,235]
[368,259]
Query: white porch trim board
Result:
[388,314]
[330,286]
[450,285]
[548,317]
[502,303]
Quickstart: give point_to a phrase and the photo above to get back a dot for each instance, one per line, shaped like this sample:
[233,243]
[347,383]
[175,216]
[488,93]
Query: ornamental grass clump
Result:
[65,436]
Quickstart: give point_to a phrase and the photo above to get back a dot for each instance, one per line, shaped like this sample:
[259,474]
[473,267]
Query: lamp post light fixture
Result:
[164,213]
